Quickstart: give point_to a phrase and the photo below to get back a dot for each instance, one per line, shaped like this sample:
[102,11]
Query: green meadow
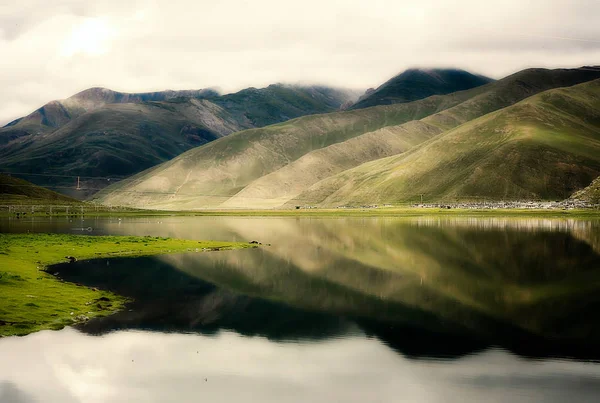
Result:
[31,299]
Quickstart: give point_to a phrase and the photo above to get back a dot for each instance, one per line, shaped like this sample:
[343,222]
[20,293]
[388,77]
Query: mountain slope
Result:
[15,190]
[414,84]
[590,193]
[209,175]
[271,166]
[544,147]
[102,133]
[288,182]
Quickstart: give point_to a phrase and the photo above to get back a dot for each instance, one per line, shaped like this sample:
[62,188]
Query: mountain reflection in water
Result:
[426,287]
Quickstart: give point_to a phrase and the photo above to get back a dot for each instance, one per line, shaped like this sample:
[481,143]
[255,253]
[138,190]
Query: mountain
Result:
[56,114]
[18,191]
[272,166]
[414,84]
[590,193]
[107,134]
[544,147]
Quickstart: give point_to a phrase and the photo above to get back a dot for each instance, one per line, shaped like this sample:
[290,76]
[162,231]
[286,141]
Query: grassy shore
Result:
[401,211]
[32,299]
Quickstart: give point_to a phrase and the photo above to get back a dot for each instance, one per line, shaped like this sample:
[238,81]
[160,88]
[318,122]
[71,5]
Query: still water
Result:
[334,310]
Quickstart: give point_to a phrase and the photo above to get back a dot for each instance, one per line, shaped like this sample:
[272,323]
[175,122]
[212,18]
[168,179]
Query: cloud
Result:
[54,49]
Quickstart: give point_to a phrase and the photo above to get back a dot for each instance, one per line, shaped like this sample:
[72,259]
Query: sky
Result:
[54,49]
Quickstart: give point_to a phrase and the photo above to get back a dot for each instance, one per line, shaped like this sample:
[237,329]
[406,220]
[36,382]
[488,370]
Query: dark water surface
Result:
[336,309]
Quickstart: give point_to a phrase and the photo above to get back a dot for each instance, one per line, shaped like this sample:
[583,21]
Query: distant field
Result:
[400,212]
[394,211]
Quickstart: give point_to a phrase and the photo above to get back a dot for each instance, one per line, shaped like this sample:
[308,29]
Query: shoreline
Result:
[565,208]
[33,299]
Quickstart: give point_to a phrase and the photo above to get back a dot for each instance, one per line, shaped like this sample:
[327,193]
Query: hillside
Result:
[590,193]
[414,84]
[209,175]
[102,133]
[18,191]
[544,147]
[274,165]
[287,183]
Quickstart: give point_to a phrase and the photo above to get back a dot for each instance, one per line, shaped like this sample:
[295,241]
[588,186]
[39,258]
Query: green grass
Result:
[395,211]
[33,300]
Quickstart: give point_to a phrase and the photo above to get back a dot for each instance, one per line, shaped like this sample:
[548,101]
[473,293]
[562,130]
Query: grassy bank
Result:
[32,300]
[47,209]
[403,212]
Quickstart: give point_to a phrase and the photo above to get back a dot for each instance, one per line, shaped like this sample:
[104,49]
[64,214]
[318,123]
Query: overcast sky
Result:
[51,49]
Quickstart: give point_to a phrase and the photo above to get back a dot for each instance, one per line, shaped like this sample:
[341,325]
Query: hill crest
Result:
[419,83]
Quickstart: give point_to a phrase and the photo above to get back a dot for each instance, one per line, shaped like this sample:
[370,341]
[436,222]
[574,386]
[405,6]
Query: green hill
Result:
[288,182]
[211,174]
[17,191]
[274,165]
[414,84]
[544,147]
[102,133]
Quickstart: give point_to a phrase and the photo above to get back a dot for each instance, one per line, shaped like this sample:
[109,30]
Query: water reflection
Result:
[426,287]
[345,309]
[169,300]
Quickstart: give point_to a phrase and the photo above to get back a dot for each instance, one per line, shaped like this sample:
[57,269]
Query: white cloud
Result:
[93,37]
[54,49]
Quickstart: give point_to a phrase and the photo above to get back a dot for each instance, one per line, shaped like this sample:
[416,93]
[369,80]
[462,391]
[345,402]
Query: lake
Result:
[341,309]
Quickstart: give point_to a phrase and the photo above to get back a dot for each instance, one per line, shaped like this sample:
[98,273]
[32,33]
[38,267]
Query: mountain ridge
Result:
[419,83]
[544,147]
[215,177]
[100,133]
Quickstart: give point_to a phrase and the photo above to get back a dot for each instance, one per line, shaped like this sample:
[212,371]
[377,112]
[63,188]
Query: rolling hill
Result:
[544,147]
[275,165]
[414,84]
[107,134]
[209,175]
[18,191]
